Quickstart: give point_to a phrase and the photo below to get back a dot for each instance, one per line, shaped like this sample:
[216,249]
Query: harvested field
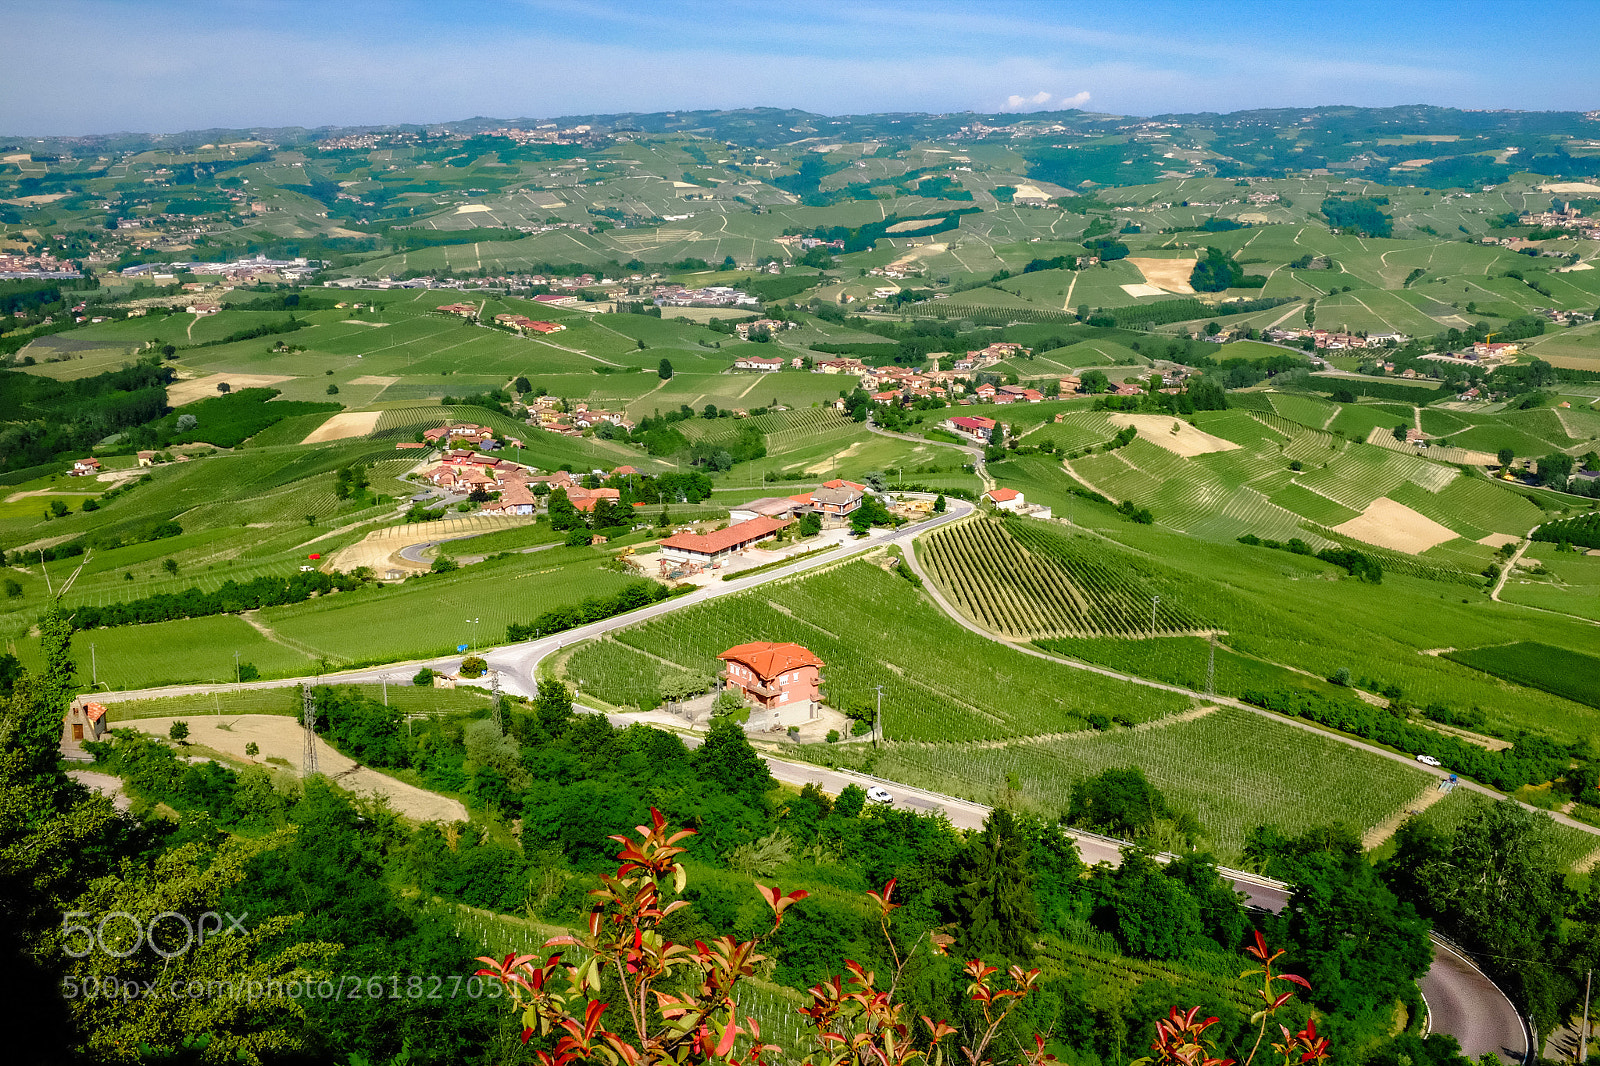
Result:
[1169,275]
[1394,525]
[471,209]
[281,736]
[183,392]
[373,379]
[1498,540]
[341,426]
[381,548]
[1142,290]
[1157,429]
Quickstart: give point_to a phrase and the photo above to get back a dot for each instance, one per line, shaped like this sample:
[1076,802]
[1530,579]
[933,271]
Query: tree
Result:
[939,504]
[443,565]
[1554,469]
[1505,455]
[333,390]
[1117,801]
[1400,432]
[423,678]
[187,422]
[252,749]
[13,589]
[1094,382]
[664,370]
[224,388]
[727,760]
[522,385]
[553,706]
[170,566]
[996,895]
[179,731]
[473,666]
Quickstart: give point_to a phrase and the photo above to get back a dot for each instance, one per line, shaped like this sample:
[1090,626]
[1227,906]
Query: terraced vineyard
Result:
[940,682]
[1025,580]
[783,429]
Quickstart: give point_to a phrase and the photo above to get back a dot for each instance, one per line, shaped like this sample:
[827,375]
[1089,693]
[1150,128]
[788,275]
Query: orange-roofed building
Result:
[709,549]
[84,721]
[773,675]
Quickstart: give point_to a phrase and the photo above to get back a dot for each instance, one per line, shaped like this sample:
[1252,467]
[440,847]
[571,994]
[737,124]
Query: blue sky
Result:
[95,66]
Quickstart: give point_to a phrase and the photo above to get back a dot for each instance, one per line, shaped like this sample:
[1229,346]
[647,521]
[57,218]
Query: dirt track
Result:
[282,737]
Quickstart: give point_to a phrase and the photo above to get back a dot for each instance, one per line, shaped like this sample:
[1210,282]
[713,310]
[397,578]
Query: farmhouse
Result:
[709,549]
[464,310]
[586,499]
[758,362]
[981,430]
[84,721]
[1013,501]
[772,675]
[85,466]
[837,498]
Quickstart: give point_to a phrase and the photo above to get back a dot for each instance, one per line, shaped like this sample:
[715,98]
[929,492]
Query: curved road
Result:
[1461,1000]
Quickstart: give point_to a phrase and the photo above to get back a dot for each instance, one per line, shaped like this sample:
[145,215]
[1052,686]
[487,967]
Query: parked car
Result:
[1428,760]
[879,794]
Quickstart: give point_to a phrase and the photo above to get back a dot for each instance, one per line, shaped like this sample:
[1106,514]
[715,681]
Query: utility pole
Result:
[1583,1033]
[94,670]
[877,721]
[1211,666]
[1154,600]
[386,690]
[308,718]
[474,622]
[237,678]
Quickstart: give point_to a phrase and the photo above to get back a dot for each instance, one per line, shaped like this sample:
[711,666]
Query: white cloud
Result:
[1041,101]
[1075,100]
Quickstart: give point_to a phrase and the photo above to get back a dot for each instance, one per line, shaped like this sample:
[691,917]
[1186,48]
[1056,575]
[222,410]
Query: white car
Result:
[879,794]
[1428,760]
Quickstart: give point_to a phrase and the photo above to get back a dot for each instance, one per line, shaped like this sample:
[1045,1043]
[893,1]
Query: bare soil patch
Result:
[1394,525]
[1498,540]
[1157,429]
[281,736]
[183,392]
[1170,275]
[373,379]
[1143,290]
[1386,828]
[380,549]
[340,426]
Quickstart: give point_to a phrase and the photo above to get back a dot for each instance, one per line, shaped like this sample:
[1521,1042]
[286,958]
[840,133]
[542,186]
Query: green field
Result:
[1232,769]
[871,628]
[1565,673]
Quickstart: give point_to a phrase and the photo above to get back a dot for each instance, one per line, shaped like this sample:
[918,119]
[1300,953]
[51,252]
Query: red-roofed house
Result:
[709,549]
[772,675]
[85,466]
[1006,499]
[84,721]
[981,430]
[837,498]
[585,499]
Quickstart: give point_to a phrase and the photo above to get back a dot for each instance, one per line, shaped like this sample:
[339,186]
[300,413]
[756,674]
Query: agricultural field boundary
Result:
[1473,786]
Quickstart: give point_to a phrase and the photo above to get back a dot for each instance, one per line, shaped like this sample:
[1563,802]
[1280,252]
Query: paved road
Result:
[1461,1000]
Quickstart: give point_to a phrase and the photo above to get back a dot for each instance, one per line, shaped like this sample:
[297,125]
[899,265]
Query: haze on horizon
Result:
[172,65]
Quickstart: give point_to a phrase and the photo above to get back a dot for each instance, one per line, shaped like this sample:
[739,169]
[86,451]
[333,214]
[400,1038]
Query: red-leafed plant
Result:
[854,1022]
[1181,1040]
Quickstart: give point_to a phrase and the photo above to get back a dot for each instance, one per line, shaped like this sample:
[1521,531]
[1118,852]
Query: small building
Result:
[758,362]
[84,467]
[766,507]
[772,675]
[1006,499]
[84,721]
[709,549]
[147,458]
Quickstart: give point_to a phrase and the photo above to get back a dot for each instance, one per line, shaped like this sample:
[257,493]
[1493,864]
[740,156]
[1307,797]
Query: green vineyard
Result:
[1026,580]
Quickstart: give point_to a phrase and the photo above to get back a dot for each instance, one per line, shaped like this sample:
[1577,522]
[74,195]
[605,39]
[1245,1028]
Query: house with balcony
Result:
[772,675]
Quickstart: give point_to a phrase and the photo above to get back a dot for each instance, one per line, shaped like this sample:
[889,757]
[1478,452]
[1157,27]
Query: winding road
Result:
[1461,1000]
